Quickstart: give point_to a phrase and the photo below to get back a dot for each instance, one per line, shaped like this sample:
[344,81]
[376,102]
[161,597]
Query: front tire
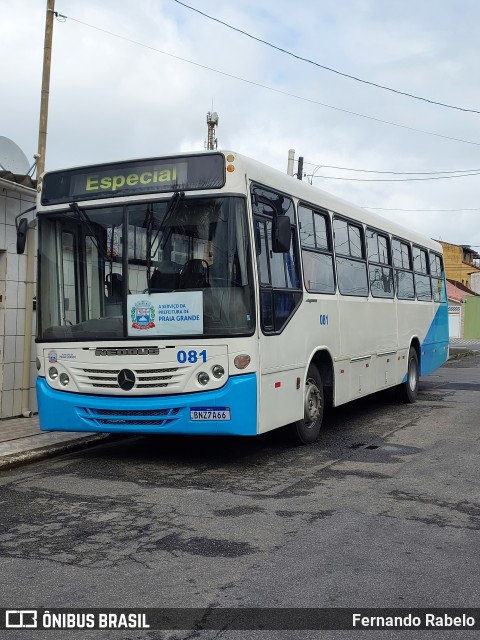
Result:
[307,430]
[409,388]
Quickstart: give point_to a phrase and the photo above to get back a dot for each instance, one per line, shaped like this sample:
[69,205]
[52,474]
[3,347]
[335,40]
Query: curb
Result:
[49,451]
[457,353]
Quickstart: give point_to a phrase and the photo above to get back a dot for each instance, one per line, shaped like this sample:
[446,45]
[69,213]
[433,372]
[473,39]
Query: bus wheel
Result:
[307,430]
[409,389]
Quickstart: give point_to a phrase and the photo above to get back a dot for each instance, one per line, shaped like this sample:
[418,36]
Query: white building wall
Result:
[14,199]
[475,282]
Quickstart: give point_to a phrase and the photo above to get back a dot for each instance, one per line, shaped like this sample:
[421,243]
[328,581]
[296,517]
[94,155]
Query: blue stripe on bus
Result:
[434,348]
[64,411]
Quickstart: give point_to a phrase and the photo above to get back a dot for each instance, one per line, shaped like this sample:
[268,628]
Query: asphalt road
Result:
[384,511]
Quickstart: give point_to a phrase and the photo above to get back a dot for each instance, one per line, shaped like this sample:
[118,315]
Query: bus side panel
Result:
[64,411]
[435,345]
[367,327]
[386,370]
[281,400]
[284,359]
[414,320]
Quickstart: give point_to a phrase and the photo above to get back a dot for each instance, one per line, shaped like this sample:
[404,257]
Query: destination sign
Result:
[185,173]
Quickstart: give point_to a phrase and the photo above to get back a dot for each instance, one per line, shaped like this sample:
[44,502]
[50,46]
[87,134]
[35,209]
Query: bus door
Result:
[280,296]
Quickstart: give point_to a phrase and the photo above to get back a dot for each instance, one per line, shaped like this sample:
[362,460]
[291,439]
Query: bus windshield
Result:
[100,267]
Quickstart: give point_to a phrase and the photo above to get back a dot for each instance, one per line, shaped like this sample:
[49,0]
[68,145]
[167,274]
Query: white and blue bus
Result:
[207,293]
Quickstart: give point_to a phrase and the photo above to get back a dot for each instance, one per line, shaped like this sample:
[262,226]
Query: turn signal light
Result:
[242,361]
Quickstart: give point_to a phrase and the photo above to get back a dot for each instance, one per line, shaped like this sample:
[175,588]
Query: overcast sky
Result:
[121,96]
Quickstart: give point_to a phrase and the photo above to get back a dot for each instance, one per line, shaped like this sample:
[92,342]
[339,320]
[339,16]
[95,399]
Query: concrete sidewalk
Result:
[22,441]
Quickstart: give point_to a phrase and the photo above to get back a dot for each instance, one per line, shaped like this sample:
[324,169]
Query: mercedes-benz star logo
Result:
[126,379]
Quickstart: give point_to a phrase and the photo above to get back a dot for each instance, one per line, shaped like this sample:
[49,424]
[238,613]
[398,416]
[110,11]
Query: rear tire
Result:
[307,430]
[409,388]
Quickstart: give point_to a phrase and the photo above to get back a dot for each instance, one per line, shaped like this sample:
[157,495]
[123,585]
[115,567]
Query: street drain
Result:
[372,446]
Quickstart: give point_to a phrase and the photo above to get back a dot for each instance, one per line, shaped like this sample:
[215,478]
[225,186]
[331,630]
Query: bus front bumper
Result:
[231,410]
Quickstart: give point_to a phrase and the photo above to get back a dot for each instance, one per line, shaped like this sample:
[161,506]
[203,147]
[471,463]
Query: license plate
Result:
[207,413]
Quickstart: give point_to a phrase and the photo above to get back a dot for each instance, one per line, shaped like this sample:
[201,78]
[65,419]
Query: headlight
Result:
[218,371]
[53,373]
[203,378]
[64,379]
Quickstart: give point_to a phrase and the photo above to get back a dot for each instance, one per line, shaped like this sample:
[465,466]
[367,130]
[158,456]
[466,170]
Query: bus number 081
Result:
[192,356]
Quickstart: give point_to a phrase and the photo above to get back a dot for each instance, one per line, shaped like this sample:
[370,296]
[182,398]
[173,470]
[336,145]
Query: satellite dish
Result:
[12,157]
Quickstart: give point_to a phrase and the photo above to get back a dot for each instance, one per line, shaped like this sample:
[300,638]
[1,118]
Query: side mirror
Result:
[22,235]
[281,234]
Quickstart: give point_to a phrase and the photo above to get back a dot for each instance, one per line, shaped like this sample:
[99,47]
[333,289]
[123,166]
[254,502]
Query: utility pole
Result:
[300,168]
[47,57]
[291,160]
[212,122]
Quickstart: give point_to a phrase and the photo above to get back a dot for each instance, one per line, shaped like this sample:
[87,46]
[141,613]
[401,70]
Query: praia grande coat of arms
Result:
[142,315]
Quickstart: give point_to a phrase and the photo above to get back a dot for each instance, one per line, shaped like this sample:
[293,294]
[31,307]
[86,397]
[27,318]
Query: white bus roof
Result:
[306,192]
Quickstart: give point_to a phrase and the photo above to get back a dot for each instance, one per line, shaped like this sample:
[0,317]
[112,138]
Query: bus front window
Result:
[93,260]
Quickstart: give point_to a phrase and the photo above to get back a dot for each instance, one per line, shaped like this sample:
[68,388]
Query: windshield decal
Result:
[166,314]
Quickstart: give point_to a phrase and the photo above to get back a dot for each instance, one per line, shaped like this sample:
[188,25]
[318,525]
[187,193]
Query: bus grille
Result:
[89,380]
[123,418]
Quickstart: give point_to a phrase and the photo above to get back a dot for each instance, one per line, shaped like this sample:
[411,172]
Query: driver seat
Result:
[195,274]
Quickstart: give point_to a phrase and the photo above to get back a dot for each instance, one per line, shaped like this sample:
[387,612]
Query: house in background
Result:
[458,295]
[461,263]
[475,282]
[462,270]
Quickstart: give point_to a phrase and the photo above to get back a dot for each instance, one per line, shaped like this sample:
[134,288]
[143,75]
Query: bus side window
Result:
[279,273]
[317,254]
[422,276]
[402,261]
[438,283]
[350,258]
[379,265]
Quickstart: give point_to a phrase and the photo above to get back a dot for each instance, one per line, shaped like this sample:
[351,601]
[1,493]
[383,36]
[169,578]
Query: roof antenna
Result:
[212,121]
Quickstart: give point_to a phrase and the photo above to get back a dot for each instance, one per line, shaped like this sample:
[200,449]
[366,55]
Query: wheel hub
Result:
[313,402]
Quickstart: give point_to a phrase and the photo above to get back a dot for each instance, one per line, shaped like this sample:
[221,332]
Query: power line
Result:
[63,17]
[329,166]
[465,175]
[321,66]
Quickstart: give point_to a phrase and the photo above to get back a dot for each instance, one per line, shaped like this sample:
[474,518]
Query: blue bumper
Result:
[64,411]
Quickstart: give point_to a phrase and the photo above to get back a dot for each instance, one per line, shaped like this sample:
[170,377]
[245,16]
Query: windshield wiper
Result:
[82,216]
[149,223]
